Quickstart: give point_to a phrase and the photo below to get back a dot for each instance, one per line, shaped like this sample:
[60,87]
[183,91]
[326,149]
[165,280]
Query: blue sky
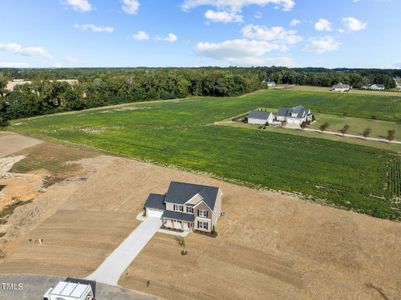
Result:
[130,33]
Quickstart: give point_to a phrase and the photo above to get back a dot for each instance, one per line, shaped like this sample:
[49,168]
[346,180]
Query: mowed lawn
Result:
[180,133]
[358,125]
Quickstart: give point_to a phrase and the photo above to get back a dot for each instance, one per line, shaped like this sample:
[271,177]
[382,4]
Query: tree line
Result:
[46,95]
[357,78]
[106,86]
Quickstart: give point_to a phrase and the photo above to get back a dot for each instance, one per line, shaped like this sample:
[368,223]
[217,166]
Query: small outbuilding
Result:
[260,117]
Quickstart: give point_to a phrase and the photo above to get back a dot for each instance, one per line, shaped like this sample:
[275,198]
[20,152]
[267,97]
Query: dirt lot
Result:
[269,245]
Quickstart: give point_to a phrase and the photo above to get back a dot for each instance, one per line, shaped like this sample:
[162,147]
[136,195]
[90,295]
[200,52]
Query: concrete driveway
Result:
[118,261]
[29,287]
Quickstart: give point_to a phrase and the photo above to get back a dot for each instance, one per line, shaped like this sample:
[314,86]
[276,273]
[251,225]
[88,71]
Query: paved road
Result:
[118,261]
[31,287]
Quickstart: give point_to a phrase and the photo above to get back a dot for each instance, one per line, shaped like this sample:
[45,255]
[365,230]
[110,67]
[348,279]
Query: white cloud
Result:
[322,45]
[295,22]
[171,38]
[223,16]
[237,5]
[277,35]
[141,36]
[17,65]
[230,10]
[238,51]
[94,28]
[26,51]
[354,24]
[79,5]
[130,6]
[323,25]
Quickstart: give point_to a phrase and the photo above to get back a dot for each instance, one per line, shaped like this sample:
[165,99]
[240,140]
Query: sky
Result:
[193,33]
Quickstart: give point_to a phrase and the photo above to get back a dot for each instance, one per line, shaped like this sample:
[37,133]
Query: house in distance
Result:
[341,88]
[374,87]
[295,115]
[186,207]
[269,84]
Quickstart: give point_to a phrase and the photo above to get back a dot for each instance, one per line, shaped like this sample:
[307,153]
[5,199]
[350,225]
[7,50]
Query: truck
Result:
[72,289]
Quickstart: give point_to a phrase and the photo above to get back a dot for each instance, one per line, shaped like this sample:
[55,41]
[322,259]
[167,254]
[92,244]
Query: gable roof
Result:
[180,193]
[259,115]
[341,86]
[299,110]
[155,201]
[175,215]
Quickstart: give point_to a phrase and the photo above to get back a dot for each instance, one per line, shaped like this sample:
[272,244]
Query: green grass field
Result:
[180,133]
[358,125]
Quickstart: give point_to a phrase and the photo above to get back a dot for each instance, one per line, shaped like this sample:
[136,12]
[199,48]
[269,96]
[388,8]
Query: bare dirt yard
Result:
[269,245]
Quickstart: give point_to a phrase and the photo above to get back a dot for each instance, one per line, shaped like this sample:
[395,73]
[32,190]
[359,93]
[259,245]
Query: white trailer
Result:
[66,290]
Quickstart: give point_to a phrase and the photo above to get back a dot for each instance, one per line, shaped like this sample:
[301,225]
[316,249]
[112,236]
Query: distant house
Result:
[376,87]
[341,88]
[260,117]
[295,115]
[269,83]
[186,206]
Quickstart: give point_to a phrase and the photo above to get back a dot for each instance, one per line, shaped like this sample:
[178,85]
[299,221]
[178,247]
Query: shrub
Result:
[324,126]
[366,132]
[345,129]
[391,135]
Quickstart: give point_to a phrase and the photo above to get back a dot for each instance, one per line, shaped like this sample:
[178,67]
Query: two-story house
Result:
[295,115]
[186,206]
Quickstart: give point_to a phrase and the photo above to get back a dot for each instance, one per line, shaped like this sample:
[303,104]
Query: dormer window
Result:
[190,210]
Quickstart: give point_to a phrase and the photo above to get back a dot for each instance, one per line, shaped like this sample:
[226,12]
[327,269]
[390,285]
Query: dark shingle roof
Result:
[179,193]
[282,112]
[155,201]
[260,115]
[299,110]
[178,216]
[341,86]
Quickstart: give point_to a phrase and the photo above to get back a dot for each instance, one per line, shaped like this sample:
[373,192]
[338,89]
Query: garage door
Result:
[154,213]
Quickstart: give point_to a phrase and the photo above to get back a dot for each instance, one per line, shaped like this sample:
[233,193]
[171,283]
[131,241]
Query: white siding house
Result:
[341,88]
[260,117]
[295,115]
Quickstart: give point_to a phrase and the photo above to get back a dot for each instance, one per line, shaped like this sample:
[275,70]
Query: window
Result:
[178,207]
[203,225]
[203,213]
[190,210]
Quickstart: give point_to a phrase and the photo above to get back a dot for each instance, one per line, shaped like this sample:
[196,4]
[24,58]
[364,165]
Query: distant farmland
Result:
[180,133]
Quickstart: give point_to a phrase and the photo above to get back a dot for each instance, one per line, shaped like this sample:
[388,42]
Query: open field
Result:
[337,138]
[308,88]
[270,245]
[358,125]
[179,133]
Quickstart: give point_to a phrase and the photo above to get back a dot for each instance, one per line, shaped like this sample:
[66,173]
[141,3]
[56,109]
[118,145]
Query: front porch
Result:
[179,225]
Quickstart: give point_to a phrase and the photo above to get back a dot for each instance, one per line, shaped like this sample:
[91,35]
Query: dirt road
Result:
[11,143]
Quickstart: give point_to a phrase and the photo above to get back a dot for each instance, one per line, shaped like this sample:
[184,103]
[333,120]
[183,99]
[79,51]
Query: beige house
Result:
[186,207]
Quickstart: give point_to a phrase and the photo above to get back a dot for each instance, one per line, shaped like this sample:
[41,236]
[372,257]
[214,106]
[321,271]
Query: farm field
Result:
[308,88]
[337,138]
[180,133]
